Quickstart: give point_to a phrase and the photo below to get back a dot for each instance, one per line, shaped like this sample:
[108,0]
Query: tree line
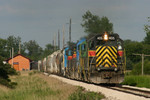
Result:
[30,49]
[143,47]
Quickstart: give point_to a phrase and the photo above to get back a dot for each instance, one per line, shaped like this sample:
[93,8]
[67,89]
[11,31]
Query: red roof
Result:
[19,55]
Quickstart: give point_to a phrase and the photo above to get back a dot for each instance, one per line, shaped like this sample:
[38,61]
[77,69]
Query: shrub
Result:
[129,80]
[136,80]
[5,71]
[33,72]
[81,94]
[137,68]
[8,83]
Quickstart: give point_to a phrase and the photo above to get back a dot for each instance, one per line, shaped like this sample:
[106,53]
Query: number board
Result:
[110,38]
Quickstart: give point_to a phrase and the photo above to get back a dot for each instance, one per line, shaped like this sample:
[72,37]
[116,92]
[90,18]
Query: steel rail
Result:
[138,92]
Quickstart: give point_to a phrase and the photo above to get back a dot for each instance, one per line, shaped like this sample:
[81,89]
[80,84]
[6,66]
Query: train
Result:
[98,59]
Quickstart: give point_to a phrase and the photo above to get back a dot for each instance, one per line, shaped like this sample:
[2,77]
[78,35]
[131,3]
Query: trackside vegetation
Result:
[5,72]
[36,86]
[29,88]
[137,80]
[81,94]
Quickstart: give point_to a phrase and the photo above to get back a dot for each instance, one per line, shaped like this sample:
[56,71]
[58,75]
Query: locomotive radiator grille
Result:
[106,56]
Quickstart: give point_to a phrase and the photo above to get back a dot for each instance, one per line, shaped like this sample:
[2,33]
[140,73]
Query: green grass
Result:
[30,88]
[33,72]
[137,80]
[36,86]
[81,94]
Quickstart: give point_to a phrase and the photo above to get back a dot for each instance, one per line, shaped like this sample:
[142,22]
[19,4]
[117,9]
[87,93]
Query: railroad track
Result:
[121,88]
[135,91]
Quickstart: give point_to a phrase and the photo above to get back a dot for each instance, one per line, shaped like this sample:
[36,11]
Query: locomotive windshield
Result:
[104,43]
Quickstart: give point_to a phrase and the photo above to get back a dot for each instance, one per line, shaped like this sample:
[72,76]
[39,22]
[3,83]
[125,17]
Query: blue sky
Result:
[40,19]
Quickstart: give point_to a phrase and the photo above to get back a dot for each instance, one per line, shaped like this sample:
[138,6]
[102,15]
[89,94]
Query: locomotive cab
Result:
[109,52]
[106,57]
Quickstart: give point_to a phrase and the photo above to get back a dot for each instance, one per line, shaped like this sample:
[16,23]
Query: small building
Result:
[20,62]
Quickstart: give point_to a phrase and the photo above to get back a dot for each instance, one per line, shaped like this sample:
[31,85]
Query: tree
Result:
[48,50]
[13,42]
[132,47]
[94,24]
[3,48]
[34,51]
[5,72]
[147,30]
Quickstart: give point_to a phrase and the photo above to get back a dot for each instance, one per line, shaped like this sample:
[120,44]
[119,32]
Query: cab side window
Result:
[91,45]
[69,53]
[83,47]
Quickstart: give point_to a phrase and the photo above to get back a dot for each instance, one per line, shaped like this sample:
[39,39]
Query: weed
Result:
[81,94]
[33,72]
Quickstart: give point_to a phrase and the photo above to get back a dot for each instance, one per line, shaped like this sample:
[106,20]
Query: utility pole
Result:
[70,31]
[53,44]
[63,36]
[142,55]
[10,53]
[58,40]
[55,41]
[12,57]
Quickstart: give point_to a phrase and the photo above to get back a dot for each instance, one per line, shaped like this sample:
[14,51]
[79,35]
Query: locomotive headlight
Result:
[115,69]
[105,37]
[119,47]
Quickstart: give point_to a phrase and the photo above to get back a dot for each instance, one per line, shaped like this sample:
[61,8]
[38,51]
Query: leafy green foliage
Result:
[6,70]
[147,30]
[137,68]
[132,47]
[94,24]
[81,94]
[30,49]
[3,49]
[13,41]
[33,49]
[49,50]
[139,81]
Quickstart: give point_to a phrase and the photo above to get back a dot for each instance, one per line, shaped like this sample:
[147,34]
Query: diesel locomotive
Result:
[99,59]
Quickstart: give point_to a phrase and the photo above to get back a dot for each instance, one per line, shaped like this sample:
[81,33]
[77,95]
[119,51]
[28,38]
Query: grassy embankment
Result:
[137,80]
[35,86]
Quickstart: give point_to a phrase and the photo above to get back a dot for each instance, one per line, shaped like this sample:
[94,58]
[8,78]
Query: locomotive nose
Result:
[106,56]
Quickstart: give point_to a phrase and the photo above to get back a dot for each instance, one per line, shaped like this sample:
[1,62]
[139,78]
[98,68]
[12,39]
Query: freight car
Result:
[100,59]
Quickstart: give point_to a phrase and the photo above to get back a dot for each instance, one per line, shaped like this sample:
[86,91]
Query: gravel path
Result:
[110,94]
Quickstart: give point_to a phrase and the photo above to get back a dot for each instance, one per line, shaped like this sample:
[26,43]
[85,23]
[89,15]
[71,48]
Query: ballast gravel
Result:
[109,93]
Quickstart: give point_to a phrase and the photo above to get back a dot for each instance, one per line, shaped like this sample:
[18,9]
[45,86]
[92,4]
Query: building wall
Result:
[20,63]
